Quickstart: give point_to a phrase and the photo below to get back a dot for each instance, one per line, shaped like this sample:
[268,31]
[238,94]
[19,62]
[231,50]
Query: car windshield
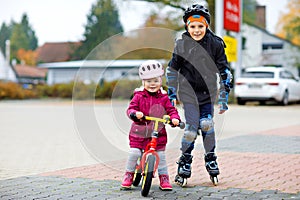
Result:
[258,74]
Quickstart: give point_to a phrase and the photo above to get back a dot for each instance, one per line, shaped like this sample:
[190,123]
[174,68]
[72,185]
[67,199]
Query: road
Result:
[43,136]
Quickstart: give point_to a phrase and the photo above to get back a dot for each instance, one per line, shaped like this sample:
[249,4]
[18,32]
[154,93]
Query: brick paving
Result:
[264,165]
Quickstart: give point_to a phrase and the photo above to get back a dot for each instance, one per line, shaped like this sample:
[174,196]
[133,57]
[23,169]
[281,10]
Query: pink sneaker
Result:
[164,182]
[127,181]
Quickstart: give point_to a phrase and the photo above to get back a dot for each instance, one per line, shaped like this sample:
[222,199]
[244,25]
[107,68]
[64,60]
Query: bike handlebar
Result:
[166,120]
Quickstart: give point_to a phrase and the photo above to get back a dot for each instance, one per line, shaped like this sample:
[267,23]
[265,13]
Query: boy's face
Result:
[152,84]
[197,30]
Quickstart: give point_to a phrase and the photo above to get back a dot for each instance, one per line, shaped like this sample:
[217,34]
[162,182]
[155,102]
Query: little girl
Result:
[149,100]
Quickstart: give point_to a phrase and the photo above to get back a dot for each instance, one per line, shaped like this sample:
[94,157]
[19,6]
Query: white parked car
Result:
[267,84]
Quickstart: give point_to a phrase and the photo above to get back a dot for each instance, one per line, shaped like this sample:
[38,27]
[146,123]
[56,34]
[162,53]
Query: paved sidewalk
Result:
[264,165]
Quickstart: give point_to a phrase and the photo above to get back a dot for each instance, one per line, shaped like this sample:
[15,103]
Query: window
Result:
[272,46]
[258,74]
[286,75]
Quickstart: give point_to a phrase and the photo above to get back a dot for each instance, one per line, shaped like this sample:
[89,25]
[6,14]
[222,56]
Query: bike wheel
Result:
[148,175]
[137,178]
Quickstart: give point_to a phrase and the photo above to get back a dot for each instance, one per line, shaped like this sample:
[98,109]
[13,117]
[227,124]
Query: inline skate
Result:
[212,167]
[184,169]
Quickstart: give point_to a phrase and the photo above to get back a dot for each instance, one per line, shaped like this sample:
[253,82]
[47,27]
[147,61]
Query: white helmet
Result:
[151,69]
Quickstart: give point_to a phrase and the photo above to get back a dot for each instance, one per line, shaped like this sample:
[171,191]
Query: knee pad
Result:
[207,125]
[190,136]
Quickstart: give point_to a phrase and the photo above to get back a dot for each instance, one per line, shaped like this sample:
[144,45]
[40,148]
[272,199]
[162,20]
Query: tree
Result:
[18,40]
[21,36]
[27,57]
[5,33]
[249,11]
[288,26]
[30,33]
[102,23]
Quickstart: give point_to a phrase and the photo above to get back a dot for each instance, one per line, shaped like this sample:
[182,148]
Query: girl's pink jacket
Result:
[154,105]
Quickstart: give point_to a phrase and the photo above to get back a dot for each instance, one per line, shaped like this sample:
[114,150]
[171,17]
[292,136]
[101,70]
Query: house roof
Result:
[29,71]
[95,64]
[270,34]
[56,51]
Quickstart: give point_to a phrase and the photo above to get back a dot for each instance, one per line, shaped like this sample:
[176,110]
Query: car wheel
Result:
[262,102]
[285,98]
[240,101]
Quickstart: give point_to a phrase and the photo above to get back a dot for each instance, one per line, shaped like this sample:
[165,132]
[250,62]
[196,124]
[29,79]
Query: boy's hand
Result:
[223,107]
[139,115]
[223,99]
[174,102]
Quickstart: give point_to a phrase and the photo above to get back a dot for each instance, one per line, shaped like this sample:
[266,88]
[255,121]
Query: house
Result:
[6,71]
[89,71]
[56,51]
[28,75]
[264,48]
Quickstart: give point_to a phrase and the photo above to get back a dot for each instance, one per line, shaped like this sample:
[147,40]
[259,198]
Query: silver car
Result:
[267,84]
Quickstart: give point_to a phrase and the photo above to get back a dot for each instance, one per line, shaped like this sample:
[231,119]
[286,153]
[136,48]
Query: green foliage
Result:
[30,33]
[102,23]
[18,40]
[21,36]
[249,8]
[5,32]
[249,11]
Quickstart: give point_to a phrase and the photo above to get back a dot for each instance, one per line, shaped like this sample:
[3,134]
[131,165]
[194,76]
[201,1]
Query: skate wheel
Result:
[214,180]
[184,182]
[180,181]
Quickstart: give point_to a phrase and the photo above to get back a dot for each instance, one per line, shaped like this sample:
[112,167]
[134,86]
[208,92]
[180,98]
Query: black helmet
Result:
[196,9]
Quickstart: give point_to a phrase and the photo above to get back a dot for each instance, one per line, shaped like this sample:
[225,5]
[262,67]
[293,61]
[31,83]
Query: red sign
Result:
[232,15]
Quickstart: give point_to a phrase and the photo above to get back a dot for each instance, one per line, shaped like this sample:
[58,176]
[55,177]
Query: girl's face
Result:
[152,84]
[197,30]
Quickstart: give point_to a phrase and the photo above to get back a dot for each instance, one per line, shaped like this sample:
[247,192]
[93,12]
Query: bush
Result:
[10,90]
[122,89]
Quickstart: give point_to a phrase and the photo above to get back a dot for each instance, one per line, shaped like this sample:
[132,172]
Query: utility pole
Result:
[240,40]
[219,18]
[7,58]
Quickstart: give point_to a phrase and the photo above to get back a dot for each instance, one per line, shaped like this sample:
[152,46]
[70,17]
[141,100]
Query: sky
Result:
[61,21]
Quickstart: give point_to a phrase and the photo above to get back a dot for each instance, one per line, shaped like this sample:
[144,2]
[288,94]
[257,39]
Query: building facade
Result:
[262,48]
[92,71]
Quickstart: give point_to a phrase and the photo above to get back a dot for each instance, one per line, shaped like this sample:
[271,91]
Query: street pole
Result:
[239,62]
[7,58]
[219,18]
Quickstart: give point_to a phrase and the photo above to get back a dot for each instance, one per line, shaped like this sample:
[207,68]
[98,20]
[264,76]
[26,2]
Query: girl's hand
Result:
[139,115]
[175,122]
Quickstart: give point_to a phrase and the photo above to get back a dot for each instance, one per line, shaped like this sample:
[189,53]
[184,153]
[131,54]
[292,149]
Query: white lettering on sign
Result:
[232,17]
[232,6]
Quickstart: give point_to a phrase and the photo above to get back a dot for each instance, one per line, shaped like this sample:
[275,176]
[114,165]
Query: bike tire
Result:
[148,175]
[137,178]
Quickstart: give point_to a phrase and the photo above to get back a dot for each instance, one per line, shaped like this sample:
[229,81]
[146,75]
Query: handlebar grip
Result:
[182,125]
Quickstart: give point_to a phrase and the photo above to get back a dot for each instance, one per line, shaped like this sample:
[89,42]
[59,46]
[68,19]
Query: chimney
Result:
[261,16]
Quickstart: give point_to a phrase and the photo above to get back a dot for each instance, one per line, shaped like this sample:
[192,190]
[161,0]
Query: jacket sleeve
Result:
[172,73]
[223,67]
[133,106]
